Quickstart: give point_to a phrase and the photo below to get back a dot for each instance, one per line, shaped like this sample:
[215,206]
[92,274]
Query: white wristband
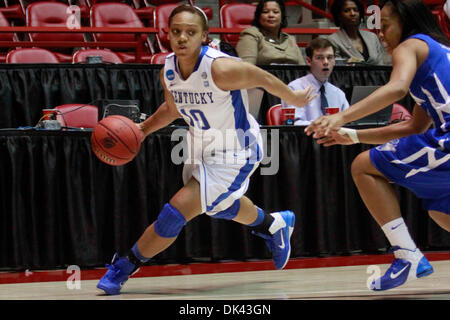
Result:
[351,134]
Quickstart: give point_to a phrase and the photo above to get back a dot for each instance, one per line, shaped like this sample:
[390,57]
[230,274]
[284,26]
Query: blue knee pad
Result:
[170,222]
[229,213]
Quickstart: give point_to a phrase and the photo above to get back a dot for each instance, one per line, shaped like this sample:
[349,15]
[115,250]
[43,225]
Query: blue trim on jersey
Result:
[243,174]
[175,63]
[199,60]
[204,184]
[241,120]
[236,185]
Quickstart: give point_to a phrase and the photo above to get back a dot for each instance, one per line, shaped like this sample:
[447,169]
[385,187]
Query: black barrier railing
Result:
[60,205]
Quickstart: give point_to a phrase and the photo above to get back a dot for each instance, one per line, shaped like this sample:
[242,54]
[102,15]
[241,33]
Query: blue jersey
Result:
[431,85]
[421,162]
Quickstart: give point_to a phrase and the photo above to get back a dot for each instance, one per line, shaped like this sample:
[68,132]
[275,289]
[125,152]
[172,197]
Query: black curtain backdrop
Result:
[27,89]
[60,205]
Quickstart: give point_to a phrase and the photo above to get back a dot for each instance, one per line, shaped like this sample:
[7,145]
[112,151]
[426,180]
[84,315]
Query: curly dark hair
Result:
[260,7]
[336,8]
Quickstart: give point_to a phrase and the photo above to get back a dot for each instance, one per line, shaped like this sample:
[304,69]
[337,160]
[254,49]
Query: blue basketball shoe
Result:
[407,265]
[118,273]
[279,240]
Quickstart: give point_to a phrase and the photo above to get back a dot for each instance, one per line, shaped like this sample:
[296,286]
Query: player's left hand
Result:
[335,137]
[141,130]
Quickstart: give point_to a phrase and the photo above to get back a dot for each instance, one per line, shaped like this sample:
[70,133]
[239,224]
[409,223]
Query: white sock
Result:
[398,234]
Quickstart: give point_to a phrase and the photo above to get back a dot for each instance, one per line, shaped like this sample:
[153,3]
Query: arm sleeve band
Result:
[352,134]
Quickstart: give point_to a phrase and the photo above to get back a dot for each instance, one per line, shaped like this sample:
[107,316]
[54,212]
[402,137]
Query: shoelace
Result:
[114,269]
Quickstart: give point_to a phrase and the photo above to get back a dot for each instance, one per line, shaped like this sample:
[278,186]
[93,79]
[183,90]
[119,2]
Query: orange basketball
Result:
[116,140]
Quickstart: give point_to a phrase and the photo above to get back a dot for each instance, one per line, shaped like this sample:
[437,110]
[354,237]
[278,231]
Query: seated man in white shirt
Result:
[320,58]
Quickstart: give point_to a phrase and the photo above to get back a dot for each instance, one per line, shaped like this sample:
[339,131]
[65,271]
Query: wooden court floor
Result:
[336,283]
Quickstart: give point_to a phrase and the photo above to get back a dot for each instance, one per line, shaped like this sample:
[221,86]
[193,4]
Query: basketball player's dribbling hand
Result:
[141,130]
[322,126]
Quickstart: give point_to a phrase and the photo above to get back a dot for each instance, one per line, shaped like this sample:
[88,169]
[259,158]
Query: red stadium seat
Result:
[12,10]
[274,115]
[145,13]
[443,20]
[5,23]
[77,115]
[161,2]
[399,113]
[208,11]
[5,37]
[235,15]
[51,14]
[107,55]
[161,22]
[159,58]
[434,4]
[31,55]
[116,15]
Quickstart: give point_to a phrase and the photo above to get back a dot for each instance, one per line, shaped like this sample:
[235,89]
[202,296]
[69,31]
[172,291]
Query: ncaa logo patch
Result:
[170,74]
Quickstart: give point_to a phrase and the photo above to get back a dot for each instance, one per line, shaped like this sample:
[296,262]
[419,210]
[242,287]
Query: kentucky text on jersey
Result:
[192,97]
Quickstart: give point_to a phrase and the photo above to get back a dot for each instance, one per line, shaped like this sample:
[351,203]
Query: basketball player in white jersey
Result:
[207,88]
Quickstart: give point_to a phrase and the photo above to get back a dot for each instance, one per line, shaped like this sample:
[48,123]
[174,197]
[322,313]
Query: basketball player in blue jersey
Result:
[207,88]
[411,154]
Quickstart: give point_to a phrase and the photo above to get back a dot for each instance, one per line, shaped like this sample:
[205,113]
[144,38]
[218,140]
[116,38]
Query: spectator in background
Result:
[320,58]
[264,43]
[352,42]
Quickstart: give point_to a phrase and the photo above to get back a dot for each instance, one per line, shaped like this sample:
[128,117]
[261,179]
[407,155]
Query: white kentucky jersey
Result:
[220,119]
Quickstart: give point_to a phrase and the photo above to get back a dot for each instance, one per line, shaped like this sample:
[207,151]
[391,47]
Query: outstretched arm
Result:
[230,74]
[419,123]
[405,64]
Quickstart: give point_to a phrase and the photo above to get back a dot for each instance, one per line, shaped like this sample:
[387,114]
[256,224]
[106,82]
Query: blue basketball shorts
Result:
[420,163]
